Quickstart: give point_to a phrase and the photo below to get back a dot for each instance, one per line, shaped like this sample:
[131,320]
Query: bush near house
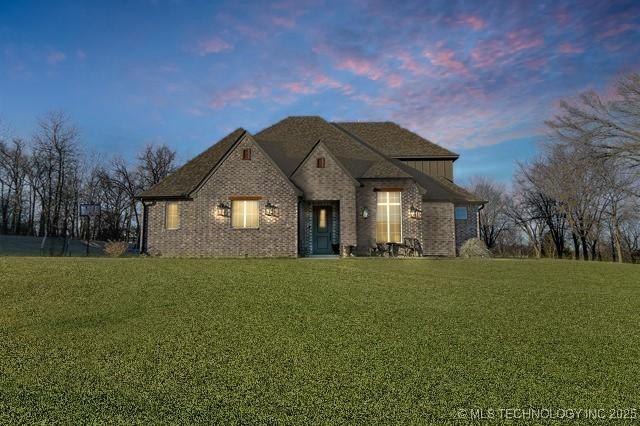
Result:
[115,248]
[474,248]
[361,341]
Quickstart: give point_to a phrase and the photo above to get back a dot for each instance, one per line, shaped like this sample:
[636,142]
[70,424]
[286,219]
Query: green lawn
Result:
[312,341]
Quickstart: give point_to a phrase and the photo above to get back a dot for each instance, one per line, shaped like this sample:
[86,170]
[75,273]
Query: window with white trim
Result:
[389,217]
[172,216]
[245,214]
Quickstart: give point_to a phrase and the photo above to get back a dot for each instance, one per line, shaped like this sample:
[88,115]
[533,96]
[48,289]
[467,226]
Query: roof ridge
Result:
[365,145]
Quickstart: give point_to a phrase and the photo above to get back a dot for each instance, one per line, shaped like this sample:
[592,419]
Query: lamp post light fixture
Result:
[271,209]
[415,213]
[365,212]
[223,210]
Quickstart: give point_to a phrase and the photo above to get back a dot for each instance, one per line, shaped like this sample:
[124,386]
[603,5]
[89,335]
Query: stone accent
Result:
[331,183]
[439,238]
[368,197]
[203,233]
[466,229]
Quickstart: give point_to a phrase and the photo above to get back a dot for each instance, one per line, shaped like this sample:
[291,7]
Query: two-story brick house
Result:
[305,186]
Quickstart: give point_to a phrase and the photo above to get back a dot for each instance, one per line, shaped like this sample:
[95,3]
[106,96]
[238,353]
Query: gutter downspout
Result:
[478,220]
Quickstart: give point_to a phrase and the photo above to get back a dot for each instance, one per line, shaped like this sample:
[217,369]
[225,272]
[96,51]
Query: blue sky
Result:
[477,77]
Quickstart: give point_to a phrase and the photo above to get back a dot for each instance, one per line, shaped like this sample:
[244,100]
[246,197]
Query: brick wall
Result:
[330,183]
[203,233]
[368,197]
[466,229]
[439,238]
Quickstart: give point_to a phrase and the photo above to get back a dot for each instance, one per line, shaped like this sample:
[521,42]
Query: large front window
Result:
[389,217]
[245,214]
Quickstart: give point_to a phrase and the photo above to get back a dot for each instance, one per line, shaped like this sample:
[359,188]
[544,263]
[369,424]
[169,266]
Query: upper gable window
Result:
[321,163]
[246,154]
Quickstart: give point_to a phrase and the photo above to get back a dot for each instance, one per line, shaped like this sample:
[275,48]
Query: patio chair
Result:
[378,249]
[406,248]
[417,247]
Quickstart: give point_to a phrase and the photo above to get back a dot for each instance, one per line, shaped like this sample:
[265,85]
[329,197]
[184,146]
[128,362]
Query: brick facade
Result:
[466,229]
[330,183]
[203,233]
[438,229]
[368,197]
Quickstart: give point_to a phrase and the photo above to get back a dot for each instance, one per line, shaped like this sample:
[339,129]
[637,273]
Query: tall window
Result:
[172,216]
[245,214]
[389,217]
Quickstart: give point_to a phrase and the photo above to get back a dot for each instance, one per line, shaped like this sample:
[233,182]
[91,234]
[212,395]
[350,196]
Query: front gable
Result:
[246,175]
[330,182]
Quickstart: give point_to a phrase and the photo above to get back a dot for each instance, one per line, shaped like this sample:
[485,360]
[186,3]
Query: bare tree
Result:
[155,163]
[611,128]
[493,217]
[14,166]
[57,157]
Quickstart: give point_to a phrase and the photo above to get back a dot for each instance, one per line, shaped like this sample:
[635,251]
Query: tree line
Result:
[44,179]
[580,198]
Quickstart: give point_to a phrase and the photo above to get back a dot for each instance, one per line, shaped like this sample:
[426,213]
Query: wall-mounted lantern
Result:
[223,210]
[415,213]
[365,212]
[271,209]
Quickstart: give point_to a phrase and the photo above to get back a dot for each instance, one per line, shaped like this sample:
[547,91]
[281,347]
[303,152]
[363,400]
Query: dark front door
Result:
[322,230]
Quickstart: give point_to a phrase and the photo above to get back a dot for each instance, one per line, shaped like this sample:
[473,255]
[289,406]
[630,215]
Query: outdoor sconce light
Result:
[224,210]
[271,209]
[365,212]
[415,213]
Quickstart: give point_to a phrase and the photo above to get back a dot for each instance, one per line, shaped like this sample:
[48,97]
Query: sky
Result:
[478,77]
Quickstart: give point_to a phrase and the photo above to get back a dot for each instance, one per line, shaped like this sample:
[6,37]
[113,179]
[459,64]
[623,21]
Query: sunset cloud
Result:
[212,45]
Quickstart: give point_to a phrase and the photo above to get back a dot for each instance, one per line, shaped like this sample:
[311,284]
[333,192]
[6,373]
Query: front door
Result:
[322,230]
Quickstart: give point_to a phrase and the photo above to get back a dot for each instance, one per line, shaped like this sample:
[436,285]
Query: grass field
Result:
[313,341]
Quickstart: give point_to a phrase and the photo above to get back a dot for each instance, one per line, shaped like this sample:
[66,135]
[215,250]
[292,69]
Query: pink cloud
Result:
[283,22]
[55,57]
[568,48]
[563,17]
[349,61]
[523,39]
[212,45]
[394,80]
[615,30]
[316,82]
[235,94]
[360,66]
[475,22]
[299,87]
[409,63]
[535,64]
[488,53]
[81,55]
[445,58]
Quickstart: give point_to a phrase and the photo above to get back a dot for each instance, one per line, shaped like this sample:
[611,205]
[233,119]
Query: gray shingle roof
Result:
[393,140]
[289,141]
[182,182]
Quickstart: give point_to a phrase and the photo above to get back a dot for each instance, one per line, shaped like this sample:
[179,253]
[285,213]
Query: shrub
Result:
[115,248]
[474,248]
